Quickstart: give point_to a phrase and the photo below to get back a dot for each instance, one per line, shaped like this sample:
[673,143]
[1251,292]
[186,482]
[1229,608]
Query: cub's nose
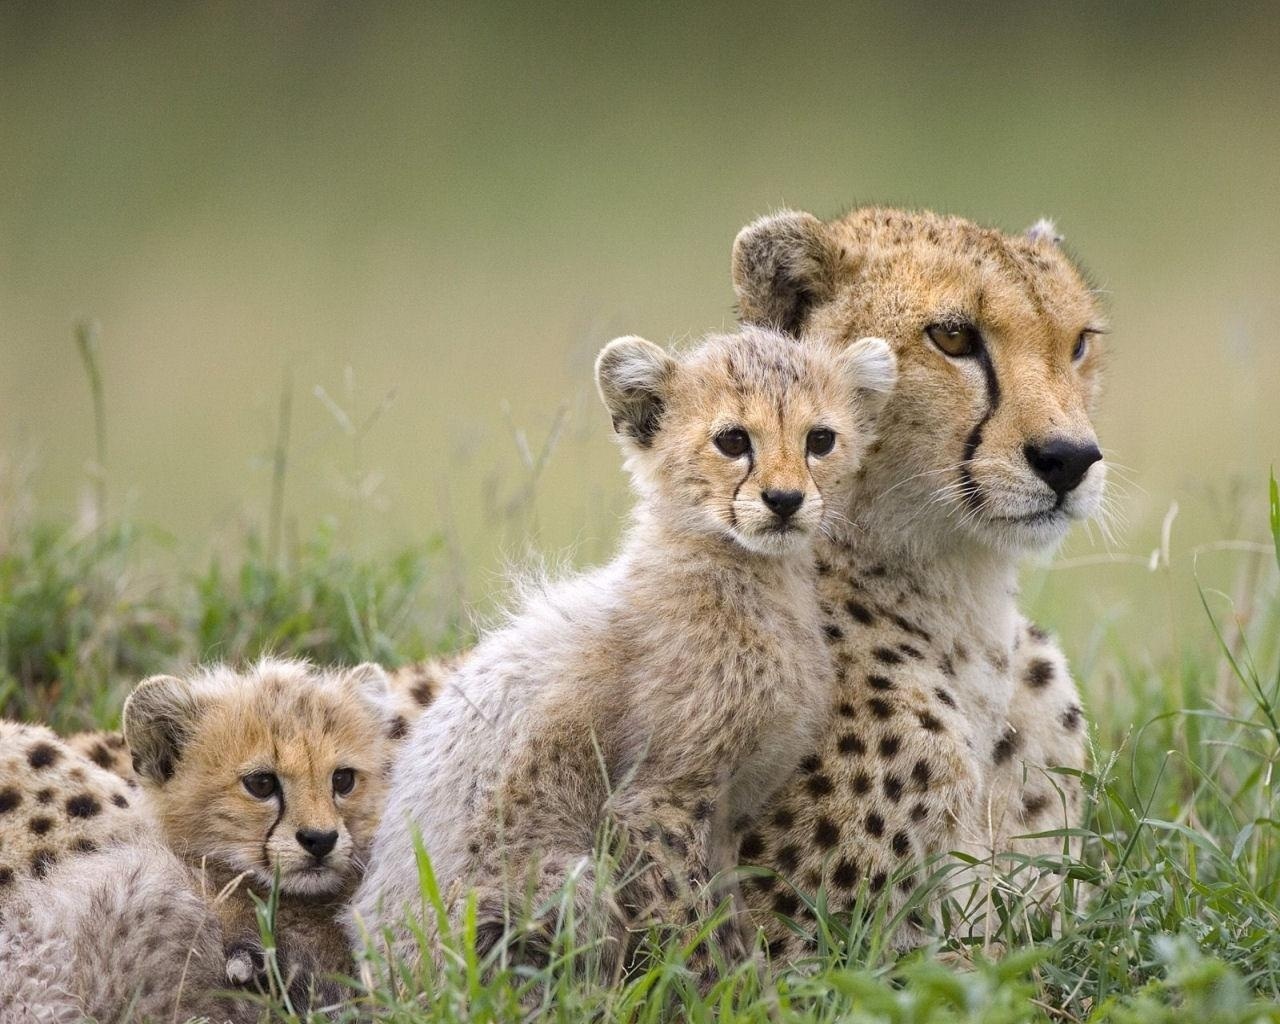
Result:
[783,504]
[318,844]
[1061,463]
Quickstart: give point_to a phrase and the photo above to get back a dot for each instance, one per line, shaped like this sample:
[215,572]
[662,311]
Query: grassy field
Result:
[1172,913]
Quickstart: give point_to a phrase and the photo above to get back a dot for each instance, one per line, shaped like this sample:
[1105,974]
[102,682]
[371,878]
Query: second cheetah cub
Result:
[664,695]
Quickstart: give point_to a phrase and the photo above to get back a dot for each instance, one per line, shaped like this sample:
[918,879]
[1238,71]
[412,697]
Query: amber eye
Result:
[344,781]
[734,442]
[820,441]
[955,340]
[261,785]
[1082,346]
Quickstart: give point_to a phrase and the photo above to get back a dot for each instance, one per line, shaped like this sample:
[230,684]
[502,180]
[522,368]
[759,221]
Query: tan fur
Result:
[56,804]
[950,708]
[666,693]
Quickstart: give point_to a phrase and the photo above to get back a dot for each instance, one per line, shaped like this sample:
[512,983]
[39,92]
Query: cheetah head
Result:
[987,436]
[278,770]
[751,437]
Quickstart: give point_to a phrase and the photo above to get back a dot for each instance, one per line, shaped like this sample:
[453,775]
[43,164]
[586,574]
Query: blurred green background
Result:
[429,217]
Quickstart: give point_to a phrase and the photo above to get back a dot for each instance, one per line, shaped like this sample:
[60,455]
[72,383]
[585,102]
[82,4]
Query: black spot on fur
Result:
[826,833]
[44,796]
[875,825]
[83,805]
[919,812]
[40,826]
[811,763]
[398,728]
[702,810]
[910,652]
[788,859]
[928,722]
[887,656]
[422,693]
[861,784]
[43,755]
[785,903]
[920,774]
[947,665]
[845,874]
[845,710]
[1005,746]
[783,817]
[42,861]
[851,744]
[893,788]
[119,800]
[889,746]
[1037,633]
[751,847]
[818,785]
[1034,804]
[880,708]
[878,880]
[9,799]
[6,877]
[1039,673]
[901,844]
[878,682]
[833,631]
[1072,717]
[101,756]
[859,613]
[85,846]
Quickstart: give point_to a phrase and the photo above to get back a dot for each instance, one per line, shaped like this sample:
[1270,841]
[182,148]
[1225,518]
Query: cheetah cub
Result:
[667,693]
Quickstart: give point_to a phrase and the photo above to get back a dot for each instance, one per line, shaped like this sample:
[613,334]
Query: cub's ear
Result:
[783,265]
[160,717]
[371,684]
[870,369]
[633,375]
[1044,230]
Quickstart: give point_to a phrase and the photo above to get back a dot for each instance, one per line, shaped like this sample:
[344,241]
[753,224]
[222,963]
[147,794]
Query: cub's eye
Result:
[261,785]
[820,441]
[734,442]
[956,341]
[344,781]
[1082,346]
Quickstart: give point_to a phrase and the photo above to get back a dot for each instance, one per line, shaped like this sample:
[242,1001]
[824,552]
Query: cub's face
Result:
[999,345]
[277,771]
[751,436]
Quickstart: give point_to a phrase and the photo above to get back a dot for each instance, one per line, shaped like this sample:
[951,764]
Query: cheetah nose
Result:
[783,504]
[1061,462]
[318,844]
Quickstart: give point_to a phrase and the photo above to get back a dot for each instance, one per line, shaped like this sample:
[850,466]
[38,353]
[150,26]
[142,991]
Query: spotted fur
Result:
[56,804]
[666,693]
[950,709]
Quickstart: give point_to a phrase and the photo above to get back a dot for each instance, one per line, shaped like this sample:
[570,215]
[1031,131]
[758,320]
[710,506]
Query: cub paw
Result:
[246,964]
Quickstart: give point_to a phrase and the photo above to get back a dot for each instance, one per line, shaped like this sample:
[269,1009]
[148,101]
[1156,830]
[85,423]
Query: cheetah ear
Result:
[160,717]
[870,369]
[371,684]
[783,265]
[632,375]
[1044,230]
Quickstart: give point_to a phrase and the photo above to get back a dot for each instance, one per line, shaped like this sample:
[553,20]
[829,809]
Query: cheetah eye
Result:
[734,442]
[1082,346]
[956,340]
[261,785]
[820,441]
[344,781]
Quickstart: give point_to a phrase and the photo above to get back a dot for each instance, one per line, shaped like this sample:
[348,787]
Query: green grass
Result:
[1172,911]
